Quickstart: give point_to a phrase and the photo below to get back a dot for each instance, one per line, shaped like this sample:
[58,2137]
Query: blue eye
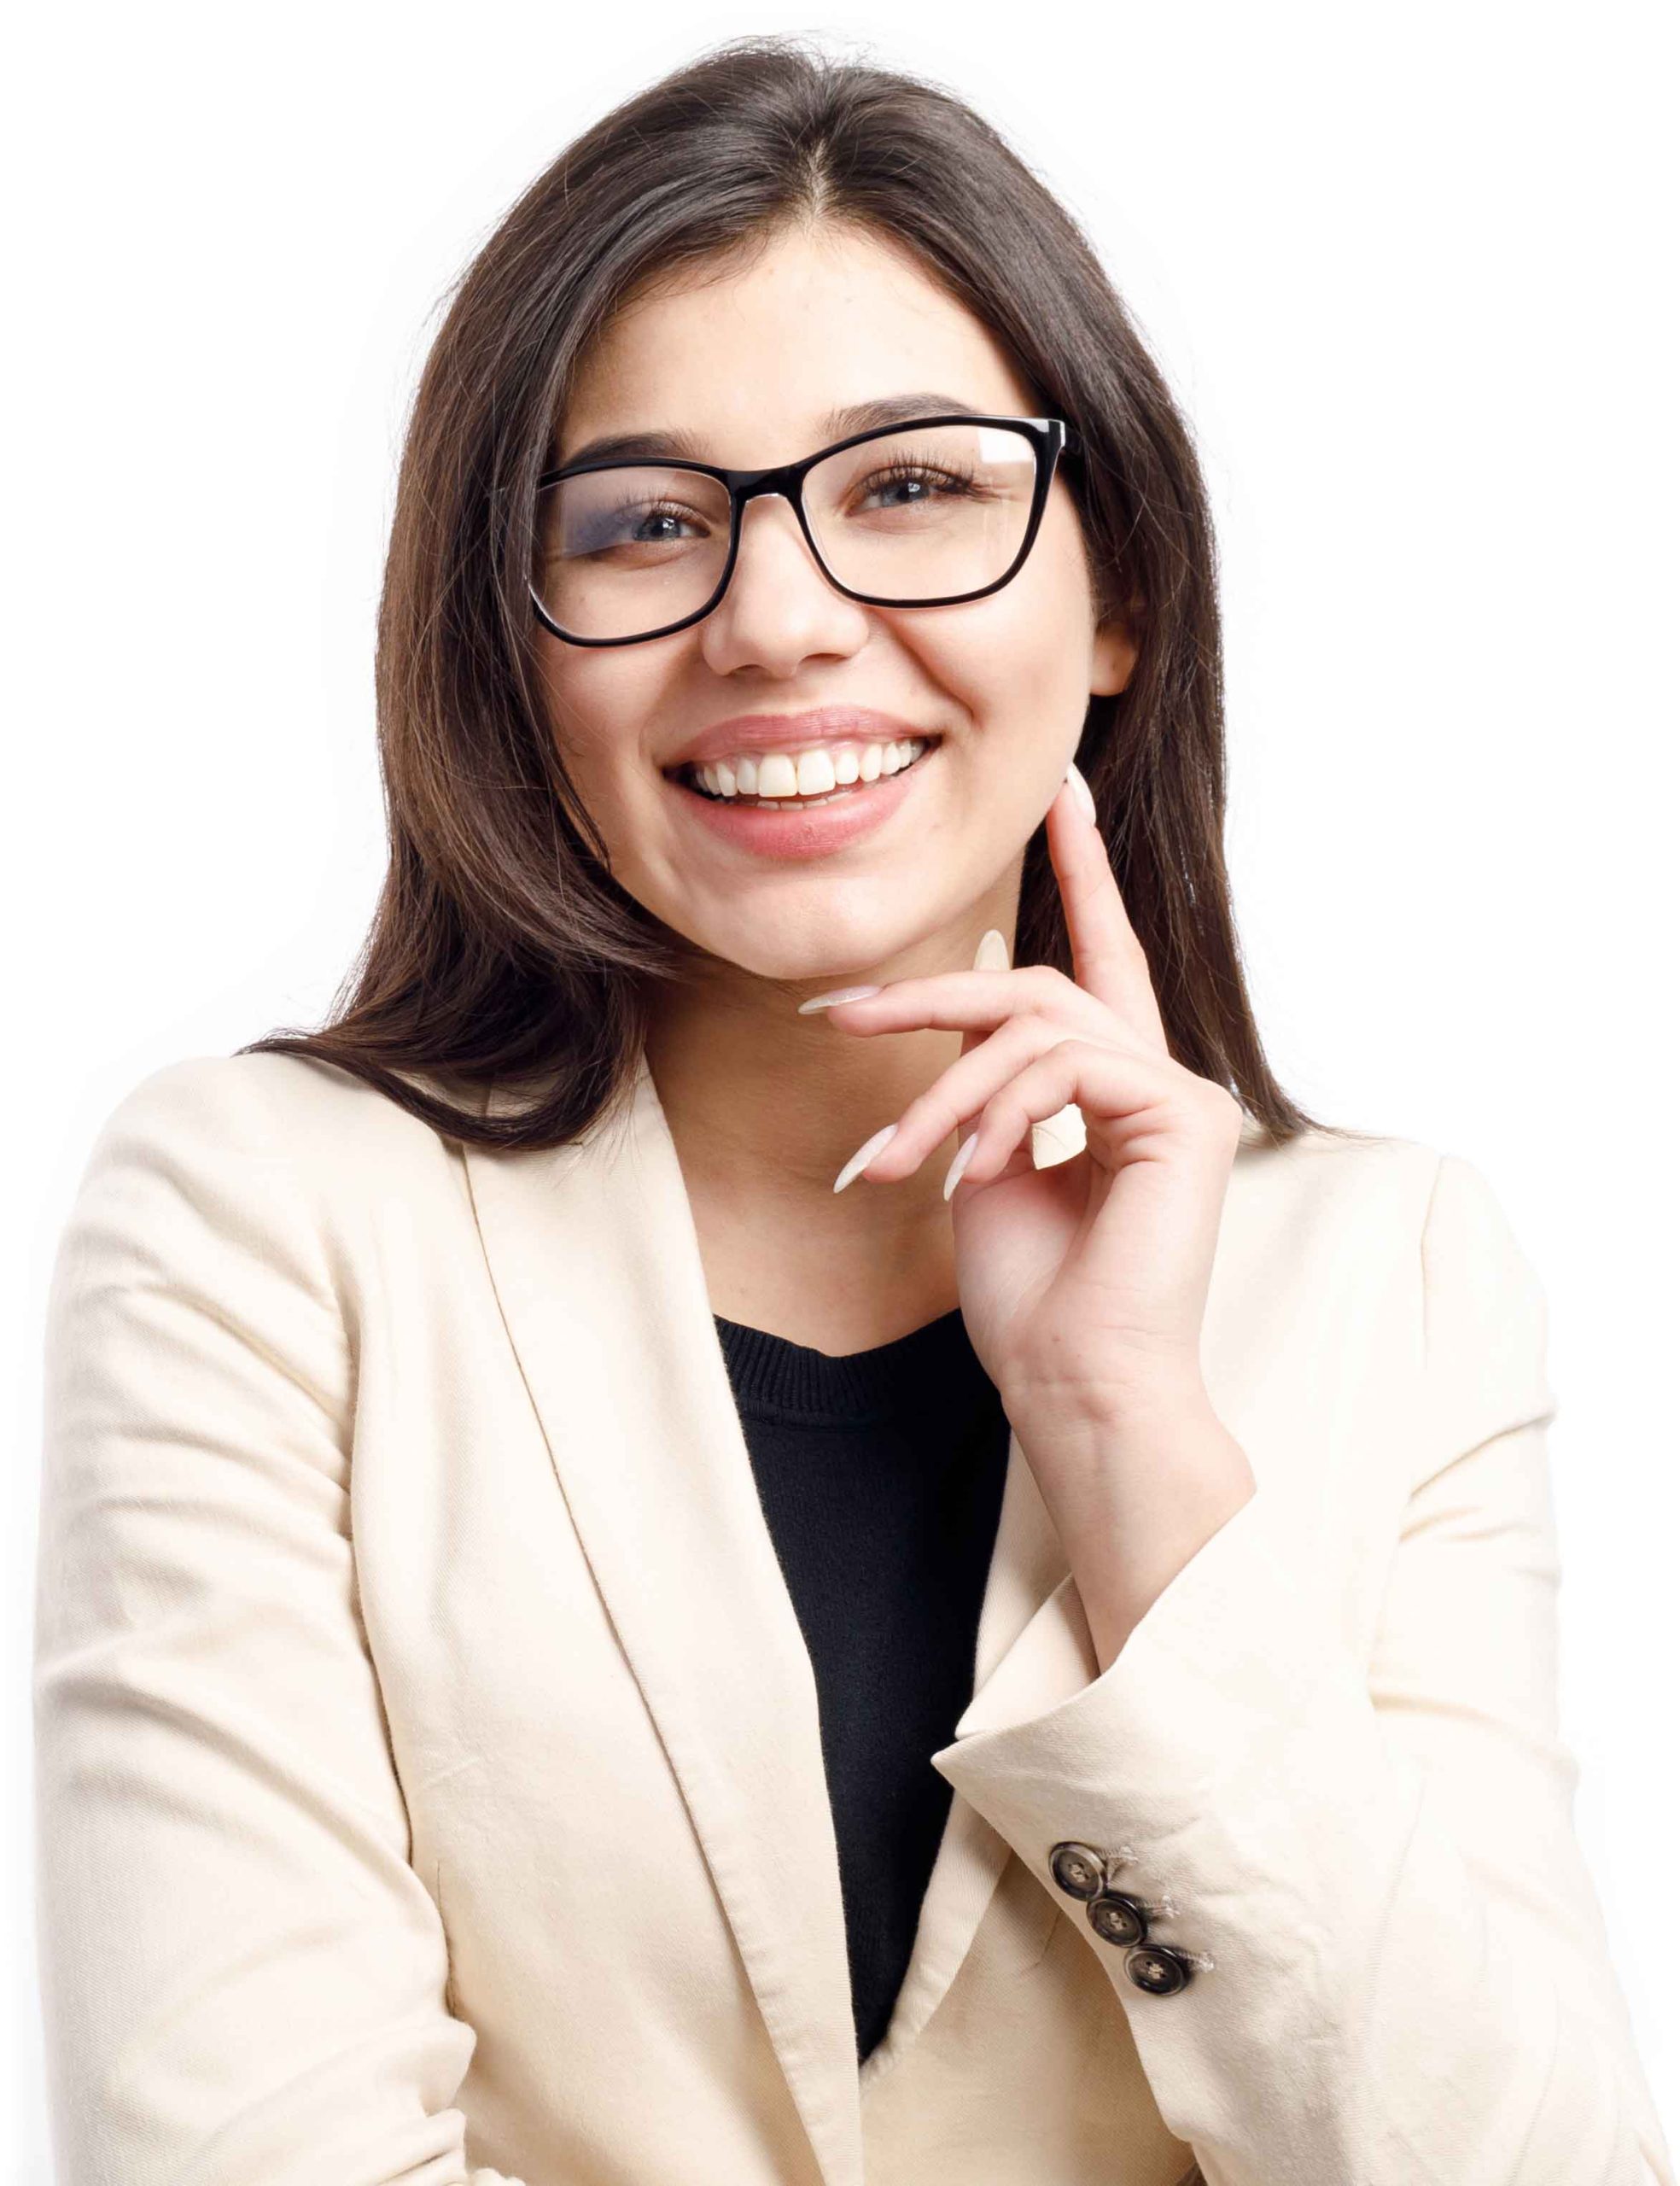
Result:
[631,524]
[936,477]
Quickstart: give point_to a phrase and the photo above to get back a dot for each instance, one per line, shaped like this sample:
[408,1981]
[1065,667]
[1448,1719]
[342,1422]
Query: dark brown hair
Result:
[501,947]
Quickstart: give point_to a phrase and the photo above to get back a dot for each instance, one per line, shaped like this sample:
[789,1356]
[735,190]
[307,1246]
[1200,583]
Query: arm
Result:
[1397,1967]
[243,1978]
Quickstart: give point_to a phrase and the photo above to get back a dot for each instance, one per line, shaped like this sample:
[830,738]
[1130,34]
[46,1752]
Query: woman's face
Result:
[747,365]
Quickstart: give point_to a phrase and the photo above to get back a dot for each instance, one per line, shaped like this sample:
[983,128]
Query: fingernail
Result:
[965,1156]
[993,954]
[865,1154]
[840,994]
[1082,789]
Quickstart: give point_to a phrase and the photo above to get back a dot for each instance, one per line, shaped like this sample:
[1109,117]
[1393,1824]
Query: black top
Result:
[881,1478]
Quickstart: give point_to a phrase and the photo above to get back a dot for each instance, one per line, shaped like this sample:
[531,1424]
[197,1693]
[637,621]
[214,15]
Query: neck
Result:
[765,1106]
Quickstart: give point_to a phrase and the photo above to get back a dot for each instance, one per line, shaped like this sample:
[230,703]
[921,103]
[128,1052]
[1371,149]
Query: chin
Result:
[829,955]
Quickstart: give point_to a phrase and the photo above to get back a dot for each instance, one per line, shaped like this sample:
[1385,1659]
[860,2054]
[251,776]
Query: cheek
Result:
[594,704]
[1022,656]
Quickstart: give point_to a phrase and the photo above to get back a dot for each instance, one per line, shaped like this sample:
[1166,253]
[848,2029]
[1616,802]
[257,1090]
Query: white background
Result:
[1410,272]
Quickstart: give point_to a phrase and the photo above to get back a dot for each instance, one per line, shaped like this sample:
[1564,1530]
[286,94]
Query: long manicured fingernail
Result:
[840,994]
[965,1156]
[865,1154]
[993,954]
[1082,789]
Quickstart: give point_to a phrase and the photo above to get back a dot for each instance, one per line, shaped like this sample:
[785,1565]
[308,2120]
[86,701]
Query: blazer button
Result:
[1076,1868]
[1117,1918]
[1159,1969]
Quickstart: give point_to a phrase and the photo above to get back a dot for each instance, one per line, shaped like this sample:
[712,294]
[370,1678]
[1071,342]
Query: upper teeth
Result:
[811,772]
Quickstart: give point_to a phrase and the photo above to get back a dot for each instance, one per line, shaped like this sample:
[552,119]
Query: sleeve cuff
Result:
[1237,1644]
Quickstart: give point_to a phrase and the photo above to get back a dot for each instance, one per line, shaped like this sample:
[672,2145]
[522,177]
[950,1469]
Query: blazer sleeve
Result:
[243,1978]
[1397,1964]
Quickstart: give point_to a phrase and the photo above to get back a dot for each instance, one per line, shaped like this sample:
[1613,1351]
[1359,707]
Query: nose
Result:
[779,606]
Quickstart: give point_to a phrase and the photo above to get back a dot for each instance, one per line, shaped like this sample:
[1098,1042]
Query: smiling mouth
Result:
[683,776]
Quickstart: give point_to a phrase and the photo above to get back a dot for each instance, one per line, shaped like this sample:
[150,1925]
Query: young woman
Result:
[773,1521]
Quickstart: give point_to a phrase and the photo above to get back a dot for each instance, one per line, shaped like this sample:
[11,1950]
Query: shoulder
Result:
[1367,1186]
[1440,1199]
[267,1106]
[1419,1230]
[1427,1215]
[273,1154]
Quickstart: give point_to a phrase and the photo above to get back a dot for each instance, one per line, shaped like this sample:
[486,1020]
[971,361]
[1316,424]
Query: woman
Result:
[775,1518]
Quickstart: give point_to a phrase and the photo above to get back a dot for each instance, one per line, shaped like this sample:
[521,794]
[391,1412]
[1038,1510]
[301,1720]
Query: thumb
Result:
[993,954]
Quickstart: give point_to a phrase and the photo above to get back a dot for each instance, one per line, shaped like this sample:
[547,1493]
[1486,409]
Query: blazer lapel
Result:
[1028,1564]
[596,1266]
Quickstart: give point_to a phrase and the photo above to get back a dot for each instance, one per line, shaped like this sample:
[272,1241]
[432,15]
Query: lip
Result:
[787,732]
[817,832]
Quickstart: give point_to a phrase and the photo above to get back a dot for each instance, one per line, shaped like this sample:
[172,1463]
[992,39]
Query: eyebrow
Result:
[838,425]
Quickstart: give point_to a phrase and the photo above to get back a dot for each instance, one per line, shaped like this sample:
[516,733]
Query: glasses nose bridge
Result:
[783,481]
[786,479]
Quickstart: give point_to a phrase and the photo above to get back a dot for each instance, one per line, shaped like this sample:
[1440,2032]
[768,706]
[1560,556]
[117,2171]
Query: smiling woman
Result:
[770,264]
[773,1519]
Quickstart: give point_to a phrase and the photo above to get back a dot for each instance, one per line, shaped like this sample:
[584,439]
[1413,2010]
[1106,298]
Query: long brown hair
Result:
[501,947]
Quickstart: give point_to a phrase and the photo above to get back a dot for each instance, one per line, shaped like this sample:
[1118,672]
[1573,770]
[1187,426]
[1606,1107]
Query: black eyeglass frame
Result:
[1051,437]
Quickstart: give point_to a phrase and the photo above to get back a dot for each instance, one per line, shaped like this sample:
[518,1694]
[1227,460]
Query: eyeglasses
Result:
[924,514]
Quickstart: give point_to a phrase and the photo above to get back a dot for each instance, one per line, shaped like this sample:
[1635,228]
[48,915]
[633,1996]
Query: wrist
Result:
[1159,1395]
[1133,1494]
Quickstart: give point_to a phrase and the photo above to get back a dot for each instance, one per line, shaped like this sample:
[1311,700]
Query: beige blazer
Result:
[430,1785]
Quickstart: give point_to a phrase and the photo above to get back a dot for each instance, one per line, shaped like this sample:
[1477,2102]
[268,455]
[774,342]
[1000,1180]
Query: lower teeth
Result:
[789,803]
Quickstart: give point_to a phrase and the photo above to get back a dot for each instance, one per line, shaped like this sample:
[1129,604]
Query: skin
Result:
[1083,1284]
[765,1105]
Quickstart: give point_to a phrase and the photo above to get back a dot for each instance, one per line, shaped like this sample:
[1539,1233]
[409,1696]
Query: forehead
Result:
[764,356]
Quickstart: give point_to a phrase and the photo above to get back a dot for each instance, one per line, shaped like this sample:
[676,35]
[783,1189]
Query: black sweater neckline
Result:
[932,1368]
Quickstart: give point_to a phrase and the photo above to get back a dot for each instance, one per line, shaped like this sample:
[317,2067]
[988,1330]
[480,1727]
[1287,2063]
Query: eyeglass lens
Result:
[919,512]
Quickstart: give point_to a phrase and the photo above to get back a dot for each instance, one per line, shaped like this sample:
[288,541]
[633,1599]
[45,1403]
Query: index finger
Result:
[1108,958]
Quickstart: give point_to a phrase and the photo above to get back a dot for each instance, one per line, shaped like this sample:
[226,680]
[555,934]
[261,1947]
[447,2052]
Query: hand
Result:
[1083,1284]
[1086,1281]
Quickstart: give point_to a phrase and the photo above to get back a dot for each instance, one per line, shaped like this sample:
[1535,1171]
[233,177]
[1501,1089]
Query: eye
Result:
[593,525]
[936,479]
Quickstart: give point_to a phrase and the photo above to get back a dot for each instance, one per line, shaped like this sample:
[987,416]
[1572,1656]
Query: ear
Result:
[1113,656]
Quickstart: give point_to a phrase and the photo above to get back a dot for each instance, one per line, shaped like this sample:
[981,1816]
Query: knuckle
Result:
[1033,1032]
[928,1109]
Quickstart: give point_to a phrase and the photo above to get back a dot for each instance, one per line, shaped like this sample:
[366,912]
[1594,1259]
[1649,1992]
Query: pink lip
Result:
[816,831]
[786,731]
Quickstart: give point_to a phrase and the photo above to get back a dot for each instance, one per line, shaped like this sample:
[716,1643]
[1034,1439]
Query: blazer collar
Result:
[594,1255]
